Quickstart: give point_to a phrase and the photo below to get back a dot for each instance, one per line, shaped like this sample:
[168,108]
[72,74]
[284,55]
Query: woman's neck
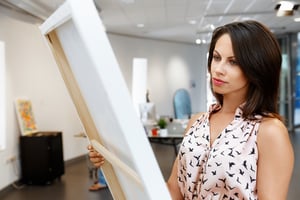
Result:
[230,105]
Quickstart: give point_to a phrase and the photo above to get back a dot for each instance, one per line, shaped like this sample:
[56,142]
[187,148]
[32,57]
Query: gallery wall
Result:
[171,66]
[31,72]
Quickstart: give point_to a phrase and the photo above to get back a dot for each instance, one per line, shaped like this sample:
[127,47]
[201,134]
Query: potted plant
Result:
[162,123]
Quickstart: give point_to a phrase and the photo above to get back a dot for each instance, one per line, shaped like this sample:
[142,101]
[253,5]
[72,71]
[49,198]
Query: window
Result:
[2,97]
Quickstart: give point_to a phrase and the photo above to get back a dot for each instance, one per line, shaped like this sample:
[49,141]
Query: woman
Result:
[240,148]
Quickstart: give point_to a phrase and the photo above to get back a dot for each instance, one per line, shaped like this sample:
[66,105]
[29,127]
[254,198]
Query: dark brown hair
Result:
[258,54]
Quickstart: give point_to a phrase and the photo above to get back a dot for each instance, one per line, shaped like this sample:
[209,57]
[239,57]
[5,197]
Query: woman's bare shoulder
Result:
[272,127]
[273,132]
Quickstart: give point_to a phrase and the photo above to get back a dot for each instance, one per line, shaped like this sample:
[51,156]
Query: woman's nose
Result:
[219,67]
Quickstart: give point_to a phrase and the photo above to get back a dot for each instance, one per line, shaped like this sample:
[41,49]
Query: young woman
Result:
[240,148]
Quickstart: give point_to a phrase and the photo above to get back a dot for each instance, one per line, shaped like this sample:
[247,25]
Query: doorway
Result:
[296,85]
[285,105]
[289,94]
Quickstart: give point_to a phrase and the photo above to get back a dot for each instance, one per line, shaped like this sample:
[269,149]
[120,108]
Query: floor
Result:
[76,180]
[73,185]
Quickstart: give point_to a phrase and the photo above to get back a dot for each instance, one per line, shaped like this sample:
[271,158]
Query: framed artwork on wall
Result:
[25,116]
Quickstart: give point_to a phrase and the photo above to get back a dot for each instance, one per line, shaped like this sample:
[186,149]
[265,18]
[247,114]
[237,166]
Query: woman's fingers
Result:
[90,148]
[98,161]
[96,158]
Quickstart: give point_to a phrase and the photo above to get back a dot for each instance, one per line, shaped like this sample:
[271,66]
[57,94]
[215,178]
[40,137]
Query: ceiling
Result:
[165,19]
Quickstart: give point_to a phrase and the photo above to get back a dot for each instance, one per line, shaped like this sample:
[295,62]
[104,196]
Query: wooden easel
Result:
[83,112]
[99,93]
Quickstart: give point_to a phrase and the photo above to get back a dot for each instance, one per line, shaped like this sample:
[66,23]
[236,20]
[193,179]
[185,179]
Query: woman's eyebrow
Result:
[229,57]
[215,51]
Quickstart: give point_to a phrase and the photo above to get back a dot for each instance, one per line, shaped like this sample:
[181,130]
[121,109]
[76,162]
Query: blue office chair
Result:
[182,104]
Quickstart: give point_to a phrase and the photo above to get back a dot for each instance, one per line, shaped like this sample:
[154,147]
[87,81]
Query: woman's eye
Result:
[216,58]
[233,62]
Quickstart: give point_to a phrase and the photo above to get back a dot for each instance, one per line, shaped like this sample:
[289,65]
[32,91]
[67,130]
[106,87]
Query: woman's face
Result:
[227,76]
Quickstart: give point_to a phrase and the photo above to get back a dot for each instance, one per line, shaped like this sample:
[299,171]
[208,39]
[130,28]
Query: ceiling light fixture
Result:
[297,19]
[140,25]
[192,22]
[198,41]
[286,8]
[128,1]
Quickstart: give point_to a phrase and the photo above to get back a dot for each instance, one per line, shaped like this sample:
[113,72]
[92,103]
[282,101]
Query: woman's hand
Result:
[96,158]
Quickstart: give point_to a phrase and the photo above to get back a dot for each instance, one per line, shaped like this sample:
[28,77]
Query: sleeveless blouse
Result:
[227,169]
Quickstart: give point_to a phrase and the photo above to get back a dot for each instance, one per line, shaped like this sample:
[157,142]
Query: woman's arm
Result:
[172,183]
[275,160]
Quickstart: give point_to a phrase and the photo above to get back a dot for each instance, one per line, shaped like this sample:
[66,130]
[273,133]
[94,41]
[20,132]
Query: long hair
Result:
[258,54]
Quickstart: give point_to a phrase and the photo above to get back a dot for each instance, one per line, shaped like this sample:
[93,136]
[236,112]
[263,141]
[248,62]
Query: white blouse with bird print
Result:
[224,170]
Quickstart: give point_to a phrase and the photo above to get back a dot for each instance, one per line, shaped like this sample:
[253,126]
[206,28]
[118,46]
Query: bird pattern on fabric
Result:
[224,170]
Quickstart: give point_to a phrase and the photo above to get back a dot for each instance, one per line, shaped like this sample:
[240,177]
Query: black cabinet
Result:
[41,157]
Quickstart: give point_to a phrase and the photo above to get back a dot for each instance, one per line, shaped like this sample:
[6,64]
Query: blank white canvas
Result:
[108,100]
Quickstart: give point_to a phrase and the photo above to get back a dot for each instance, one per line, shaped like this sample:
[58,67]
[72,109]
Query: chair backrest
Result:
[182,104]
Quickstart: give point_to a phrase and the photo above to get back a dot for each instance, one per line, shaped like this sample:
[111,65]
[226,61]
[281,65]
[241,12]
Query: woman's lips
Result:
[217,82]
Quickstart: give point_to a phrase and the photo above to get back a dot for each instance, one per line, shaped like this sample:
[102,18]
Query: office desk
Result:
[174,137]
[171,139]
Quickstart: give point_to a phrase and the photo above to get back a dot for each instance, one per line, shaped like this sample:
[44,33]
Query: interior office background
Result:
[31,71]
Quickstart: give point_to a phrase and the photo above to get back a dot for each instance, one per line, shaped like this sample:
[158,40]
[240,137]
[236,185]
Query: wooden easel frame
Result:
[131,171]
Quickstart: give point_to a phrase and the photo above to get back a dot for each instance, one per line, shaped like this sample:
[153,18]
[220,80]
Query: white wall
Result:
[170,66]
[31,71]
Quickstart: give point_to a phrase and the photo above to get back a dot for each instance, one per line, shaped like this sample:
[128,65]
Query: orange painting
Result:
[25,116]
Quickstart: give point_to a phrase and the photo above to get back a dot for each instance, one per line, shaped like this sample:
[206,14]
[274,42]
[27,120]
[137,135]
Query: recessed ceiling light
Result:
[140,25]
[128,1]
[297,19]
[198,41]
[192,22]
